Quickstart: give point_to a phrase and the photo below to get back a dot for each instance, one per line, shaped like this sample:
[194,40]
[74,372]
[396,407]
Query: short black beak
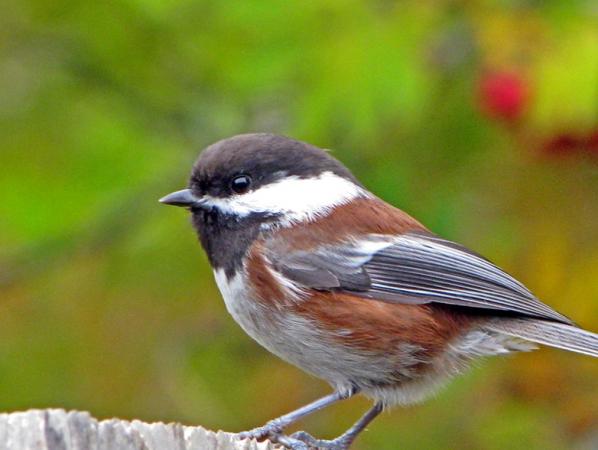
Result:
[183,198]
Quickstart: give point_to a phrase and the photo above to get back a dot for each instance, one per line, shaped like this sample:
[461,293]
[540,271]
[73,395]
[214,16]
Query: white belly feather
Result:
[299,341]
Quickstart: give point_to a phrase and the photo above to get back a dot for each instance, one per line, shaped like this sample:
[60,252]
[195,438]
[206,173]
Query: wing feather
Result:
[412,268]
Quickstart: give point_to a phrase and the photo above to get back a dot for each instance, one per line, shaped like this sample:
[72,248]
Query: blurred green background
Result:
[479,118]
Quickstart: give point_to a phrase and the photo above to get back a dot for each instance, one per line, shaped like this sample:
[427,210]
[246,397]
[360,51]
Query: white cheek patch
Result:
[297,199]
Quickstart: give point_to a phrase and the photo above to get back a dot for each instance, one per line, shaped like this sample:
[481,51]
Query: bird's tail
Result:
[559,335]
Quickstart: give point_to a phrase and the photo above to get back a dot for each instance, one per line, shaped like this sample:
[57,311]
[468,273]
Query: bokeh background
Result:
[479,118]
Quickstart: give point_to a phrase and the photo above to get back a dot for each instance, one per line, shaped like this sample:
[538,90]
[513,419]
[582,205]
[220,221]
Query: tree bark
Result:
[56,429]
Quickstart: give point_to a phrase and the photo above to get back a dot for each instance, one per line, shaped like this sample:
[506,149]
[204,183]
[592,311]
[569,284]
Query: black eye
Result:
[240,184]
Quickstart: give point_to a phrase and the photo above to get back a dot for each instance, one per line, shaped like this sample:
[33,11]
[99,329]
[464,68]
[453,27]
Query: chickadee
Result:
[327,276]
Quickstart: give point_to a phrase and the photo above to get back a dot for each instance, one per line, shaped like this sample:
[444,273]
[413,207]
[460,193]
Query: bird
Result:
[336,281]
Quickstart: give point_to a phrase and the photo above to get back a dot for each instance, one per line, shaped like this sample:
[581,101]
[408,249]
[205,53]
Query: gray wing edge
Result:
[432,269]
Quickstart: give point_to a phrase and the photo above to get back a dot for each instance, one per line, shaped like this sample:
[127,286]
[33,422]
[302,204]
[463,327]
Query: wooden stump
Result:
[56,429]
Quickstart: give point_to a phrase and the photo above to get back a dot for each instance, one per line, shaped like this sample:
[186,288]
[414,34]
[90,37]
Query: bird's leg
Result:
[344,440]
[275,427]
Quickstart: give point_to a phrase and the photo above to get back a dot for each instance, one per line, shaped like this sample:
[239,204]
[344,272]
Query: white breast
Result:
[299,341]
[240,305]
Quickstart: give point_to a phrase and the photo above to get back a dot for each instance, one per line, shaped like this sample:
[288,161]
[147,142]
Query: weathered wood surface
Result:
[56,429]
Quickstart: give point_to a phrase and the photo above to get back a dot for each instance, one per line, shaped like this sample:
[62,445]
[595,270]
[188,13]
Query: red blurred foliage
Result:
[591,145]
[571,143]
[562,144]
[503,95]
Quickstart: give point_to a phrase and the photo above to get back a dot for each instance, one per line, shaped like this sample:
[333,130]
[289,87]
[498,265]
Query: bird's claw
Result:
[273,432]
[300,440]
[340,443]
[292,443]
[270,430]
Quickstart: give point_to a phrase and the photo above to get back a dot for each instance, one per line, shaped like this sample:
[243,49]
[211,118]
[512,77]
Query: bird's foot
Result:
[300,440]
[340,443]
[291,443]
[271,430]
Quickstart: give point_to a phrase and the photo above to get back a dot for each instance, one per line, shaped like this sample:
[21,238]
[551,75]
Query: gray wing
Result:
[414,268]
